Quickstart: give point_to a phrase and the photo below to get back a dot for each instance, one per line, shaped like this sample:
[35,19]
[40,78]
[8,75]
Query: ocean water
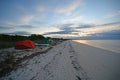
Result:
[111,45]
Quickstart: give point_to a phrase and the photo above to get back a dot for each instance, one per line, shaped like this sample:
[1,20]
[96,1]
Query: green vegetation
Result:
[35,37]
[4,37]
[5,44]
[7,41]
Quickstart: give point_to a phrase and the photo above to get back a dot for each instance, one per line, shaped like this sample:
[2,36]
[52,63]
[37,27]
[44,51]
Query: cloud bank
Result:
[88,31]
[19,33]
[70,8]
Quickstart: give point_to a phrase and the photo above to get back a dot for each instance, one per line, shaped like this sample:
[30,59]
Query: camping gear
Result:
[26,44]
[45,41]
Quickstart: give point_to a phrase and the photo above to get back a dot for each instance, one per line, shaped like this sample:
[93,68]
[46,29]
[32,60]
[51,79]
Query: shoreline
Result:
[69,61]
[111,45]
[98,47]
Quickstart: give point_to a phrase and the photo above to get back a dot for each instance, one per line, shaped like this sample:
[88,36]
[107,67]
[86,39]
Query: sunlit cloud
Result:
[39,11]
[70,8]
[114,34]
[85,30]
[62,35]
[100,29]
[26,19]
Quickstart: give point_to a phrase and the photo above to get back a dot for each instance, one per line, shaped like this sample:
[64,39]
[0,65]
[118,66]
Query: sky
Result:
[74,19]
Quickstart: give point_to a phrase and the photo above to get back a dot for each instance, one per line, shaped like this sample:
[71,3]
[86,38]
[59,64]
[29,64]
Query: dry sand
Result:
[70,61]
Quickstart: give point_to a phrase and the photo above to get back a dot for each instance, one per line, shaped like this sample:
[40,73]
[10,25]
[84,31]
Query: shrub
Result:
[7,64]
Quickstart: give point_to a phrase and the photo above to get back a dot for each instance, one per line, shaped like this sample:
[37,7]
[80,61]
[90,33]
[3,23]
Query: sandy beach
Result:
[69,61]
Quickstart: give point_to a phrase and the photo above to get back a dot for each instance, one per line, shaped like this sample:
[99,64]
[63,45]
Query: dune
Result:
[69,61]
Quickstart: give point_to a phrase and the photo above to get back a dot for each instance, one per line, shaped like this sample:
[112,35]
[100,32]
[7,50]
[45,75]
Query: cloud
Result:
[108,24]
[39,12]
[27,18]
[114,34]
[81,26]
[4,27]
[25,14]
[41,9]
[7,26]
[11,26]
[64,29]
[87,31]
[58,32]
[25,26]
[20,33]
[70,8]
[68,30]
[73,26]
[72,20]
[113,15]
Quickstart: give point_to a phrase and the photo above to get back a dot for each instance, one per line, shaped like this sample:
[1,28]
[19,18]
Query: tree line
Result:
[5,37]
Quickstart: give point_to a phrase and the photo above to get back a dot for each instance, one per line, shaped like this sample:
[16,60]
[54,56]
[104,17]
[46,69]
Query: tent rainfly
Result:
[26,44]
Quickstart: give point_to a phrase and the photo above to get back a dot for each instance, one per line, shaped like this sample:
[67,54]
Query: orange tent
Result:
[26,44]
